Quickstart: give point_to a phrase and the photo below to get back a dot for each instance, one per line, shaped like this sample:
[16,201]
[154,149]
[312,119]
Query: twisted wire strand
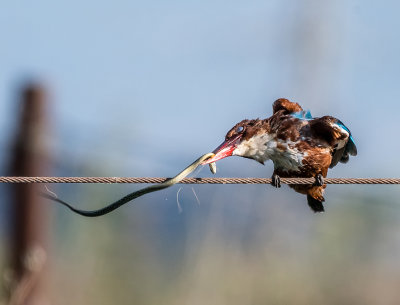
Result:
[113,180]
[162,183]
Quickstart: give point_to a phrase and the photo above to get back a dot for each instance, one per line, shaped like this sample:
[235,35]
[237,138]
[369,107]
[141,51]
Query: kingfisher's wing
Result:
[330,131]
[344,148]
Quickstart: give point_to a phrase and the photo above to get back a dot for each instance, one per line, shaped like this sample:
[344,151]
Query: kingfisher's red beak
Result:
[224,150]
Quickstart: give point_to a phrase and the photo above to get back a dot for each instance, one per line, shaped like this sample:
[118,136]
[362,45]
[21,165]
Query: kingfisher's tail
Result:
[315,204]
[315,198]
[314,194]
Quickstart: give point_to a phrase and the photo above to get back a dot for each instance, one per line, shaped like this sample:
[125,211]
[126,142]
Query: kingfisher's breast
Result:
[287,155]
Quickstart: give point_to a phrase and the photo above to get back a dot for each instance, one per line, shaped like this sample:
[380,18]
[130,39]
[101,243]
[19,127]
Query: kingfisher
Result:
[298,144]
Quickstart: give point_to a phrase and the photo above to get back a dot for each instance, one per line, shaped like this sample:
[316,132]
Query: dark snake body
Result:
[115,205]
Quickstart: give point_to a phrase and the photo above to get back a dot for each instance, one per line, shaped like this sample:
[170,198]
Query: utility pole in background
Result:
[29,157]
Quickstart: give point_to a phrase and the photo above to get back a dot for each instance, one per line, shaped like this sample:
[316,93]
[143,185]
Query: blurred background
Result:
[142,88]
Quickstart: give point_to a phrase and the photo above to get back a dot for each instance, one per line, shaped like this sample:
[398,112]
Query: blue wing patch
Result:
[341,125]
[351,145]
[308,115]
[302,115]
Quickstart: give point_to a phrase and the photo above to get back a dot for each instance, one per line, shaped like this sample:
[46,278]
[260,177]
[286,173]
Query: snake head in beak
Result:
[226,149]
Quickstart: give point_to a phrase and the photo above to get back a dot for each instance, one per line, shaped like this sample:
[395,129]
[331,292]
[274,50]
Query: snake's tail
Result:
[69,206]
[108,208]
[95,213]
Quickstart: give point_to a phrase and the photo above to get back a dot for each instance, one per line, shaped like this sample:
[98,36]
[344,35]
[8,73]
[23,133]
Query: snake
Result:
[152,188]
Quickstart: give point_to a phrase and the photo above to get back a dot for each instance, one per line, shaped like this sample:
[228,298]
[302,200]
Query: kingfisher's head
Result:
[243,140]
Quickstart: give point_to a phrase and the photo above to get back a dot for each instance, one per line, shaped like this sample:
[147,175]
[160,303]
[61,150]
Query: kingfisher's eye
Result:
[239,129]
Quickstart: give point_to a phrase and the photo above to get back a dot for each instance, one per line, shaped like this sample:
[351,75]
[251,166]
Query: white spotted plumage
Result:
[284,154]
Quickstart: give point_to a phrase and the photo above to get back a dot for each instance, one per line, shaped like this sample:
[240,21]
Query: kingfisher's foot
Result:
[319,180]
[276,181]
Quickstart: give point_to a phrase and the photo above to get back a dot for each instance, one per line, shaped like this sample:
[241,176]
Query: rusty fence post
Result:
[28,261]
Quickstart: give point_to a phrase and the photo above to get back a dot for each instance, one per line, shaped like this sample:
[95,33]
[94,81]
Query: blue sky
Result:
[150,85]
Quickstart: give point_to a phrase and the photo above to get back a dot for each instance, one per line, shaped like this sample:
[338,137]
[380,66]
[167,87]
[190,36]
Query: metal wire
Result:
[109,180]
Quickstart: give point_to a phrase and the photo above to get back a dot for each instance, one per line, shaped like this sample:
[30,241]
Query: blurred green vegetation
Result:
[241,245]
